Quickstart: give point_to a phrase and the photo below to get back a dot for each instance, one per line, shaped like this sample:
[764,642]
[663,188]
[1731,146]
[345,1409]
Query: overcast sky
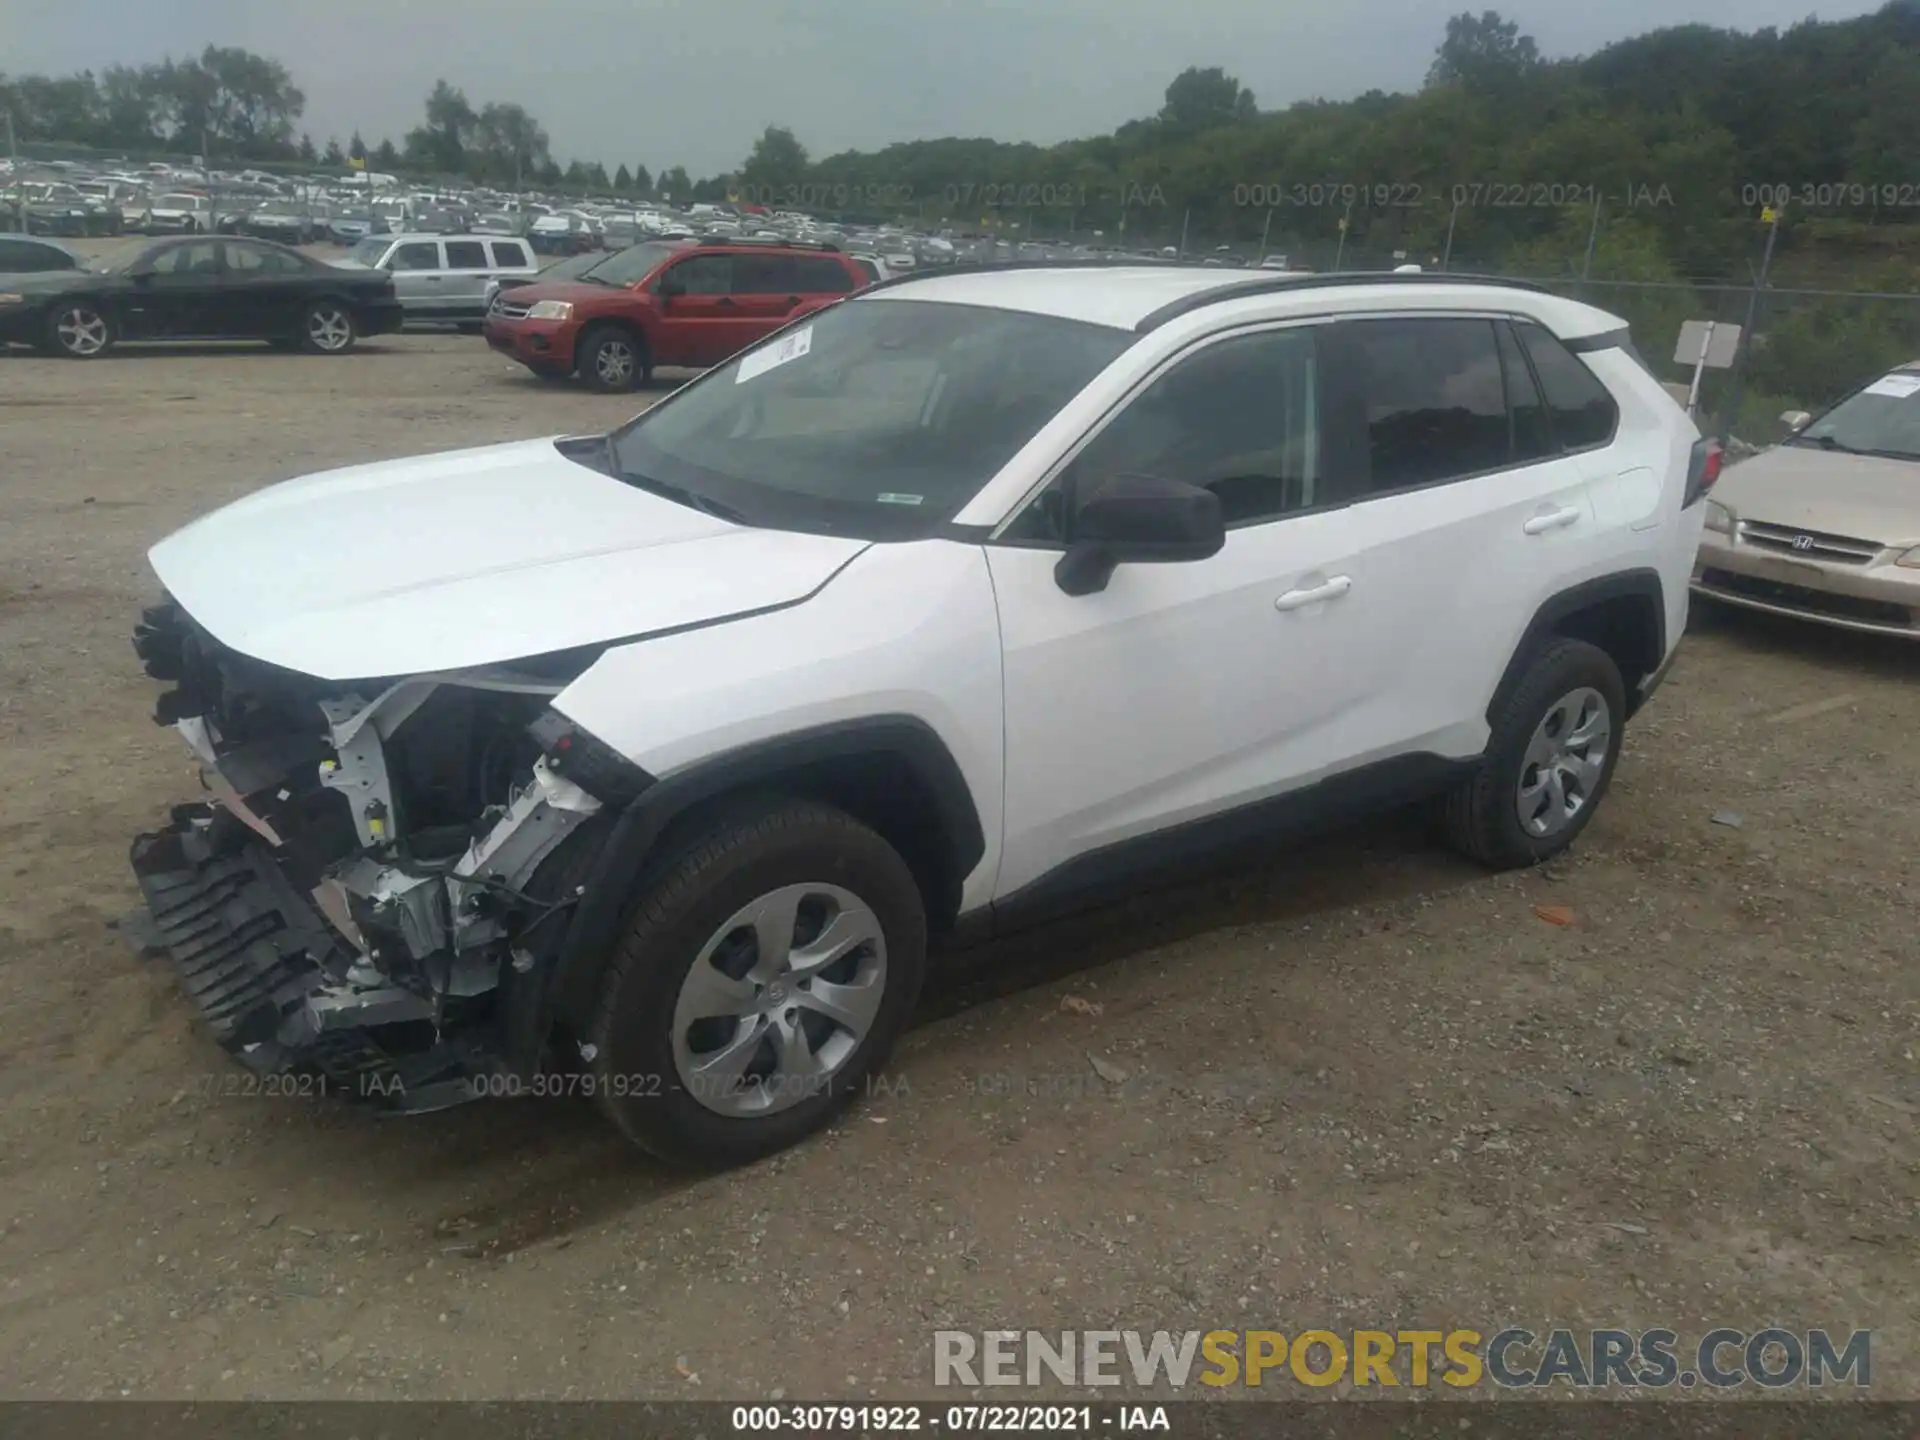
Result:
[692,82]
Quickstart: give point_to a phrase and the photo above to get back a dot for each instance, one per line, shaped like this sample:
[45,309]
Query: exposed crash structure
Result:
[376,864]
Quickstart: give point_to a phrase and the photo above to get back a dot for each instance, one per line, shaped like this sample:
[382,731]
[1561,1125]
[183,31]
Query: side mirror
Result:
[1795,419]
[1138,519]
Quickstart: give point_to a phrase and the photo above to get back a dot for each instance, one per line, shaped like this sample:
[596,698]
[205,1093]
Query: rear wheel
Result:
[1551,755]
[326,328]
[79,330]
[766,975]
[613,360]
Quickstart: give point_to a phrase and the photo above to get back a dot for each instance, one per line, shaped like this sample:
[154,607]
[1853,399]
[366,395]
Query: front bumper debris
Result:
[277,987]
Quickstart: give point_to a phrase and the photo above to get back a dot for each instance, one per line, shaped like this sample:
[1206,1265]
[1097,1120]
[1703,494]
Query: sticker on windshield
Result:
[1897,386]
[889,498]
[769,357]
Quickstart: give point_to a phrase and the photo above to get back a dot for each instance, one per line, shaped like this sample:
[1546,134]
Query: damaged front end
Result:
[382,870]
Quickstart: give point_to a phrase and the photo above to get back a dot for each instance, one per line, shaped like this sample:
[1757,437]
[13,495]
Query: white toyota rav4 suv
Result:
[655,761]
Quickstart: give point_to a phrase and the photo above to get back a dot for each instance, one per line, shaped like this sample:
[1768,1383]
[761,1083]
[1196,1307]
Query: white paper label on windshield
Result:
[771,357]
[1897,386]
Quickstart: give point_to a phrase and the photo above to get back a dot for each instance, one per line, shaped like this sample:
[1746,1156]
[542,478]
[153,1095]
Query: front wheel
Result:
[79,331]
[326,328]
[613,360]
[766,975]
[1554,744]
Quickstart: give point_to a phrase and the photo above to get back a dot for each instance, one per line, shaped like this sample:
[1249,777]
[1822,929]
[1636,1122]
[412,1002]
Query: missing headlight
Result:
[588,761]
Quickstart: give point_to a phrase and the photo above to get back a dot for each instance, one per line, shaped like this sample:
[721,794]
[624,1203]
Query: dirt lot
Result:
[1364,1085]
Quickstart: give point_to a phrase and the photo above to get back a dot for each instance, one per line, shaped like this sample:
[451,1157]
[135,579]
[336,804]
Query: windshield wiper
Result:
[692,499]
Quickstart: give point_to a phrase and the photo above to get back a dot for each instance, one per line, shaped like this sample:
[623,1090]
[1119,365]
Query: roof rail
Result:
[778,243]
[1283,281]
[1255,283]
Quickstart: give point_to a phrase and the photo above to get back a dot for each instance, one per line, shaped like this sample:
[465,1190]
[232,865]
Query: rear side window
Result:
[1435,400]
[821,275]
[19,256]
[509,252]
[1532,435]
[1583,411]
[466,255]
[763,275]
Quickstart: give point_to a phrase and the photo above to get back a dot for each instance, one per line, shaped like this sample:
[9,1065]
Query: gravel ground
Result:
[1360,1084]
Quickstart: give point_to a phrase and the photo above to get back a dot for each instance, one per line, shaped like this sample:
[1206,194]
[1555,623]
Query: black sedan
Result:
[198,288]
[28,254]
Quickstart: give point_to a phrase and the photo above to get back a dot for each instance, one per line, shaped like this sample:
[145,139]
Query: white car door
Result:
[1183,691]
[419,277]
[1467,513]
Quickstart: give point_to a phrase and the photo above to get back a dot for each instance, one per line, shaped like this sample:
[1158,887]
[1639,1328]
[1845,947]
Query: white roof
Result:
[1123,296]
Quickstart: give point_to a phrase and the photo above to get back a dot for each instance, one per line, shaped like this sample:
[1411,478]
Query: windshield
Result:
[878,419]
[179,202]
[1882,419]
[623,267]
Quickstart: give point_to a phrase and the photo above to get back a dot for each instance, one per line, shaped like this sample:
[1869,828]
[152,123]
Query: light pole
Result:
[1446,256]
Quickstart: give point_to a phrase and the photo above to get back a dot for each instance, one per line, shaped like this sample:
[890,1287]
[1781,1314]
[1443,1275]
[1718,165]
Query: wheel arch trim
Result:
[1641,585]
[631,845]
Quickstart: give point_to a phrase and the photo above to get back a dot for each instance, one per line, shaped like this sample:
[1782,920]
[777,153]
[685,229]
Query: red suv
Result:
[664,302]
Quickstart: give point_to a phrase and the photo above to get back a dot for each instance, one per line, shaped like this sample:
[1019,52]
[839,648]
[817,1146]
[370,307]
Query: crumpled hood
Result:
[473,557]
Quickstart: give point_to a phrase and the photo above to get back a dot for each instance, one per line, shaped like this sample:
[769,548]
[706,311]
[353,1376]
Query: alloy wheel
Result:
[329,329]
[614,362]
[81,331]
[1565,762]
[779,999]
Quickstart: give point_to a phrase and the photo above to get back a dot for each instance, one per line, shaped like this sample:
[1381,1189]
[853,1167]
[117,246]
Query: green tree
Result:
[308,155]
[623,180]
[675,185]
[333,157]
[1205,100]
[357,149]
[777,162]
[1482,49]
[509,144]
[385,158]
[642,182]
[441,144]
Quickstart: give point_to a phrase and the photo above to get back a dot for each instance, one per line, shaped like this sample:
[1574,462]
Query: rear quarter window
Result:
[1583,410]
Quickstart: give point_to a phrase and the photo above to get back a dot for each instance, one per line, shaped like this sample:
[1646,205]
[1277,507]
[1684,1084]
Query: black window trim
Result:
[998,536]
[1588,345]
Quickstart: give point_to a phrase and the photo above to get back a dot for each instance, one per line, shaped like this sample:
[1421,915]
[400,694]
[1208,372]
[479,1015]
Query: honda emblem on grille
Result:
[1803,542]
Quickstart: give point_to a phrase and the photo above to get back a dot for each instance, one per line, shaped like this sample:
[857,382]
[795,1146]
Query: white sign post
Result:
[1705,345]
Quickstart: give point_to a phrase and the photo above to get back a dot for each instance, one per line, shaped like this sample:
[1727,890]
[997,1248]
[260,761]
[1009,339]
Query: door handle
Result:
[1331,590]
[1552,520]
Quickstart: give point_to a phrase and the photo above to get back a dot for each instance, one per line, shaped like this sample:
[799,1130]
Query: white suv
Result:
[662,756]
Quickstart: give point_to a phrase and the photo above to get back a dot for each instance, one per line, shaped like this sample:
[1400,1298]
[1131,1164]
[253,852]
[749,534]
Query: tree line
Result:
[1661,150]
[235,107]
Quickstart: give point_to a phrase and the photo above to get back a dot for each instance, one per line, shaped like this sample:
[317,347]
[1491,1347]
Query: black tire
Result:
[80,330]
[719,869]
[613,360]
[320,328]
[1482,817]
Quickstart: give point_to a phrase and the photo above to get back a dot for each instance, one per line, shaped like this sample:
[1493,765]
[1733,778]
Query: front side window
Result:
[420,255]
[704,275]
[878,419]
[202,257]
[1240,417]
[1435,400]
[820,275]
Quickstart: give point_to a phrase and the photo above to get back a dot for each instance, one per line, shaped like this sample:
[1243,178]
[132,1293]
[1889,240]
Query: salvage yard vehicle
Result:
[175,214]
[656,759]
[446,277]
[1826,526]
[663,303]
[197,288]
[27,254]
